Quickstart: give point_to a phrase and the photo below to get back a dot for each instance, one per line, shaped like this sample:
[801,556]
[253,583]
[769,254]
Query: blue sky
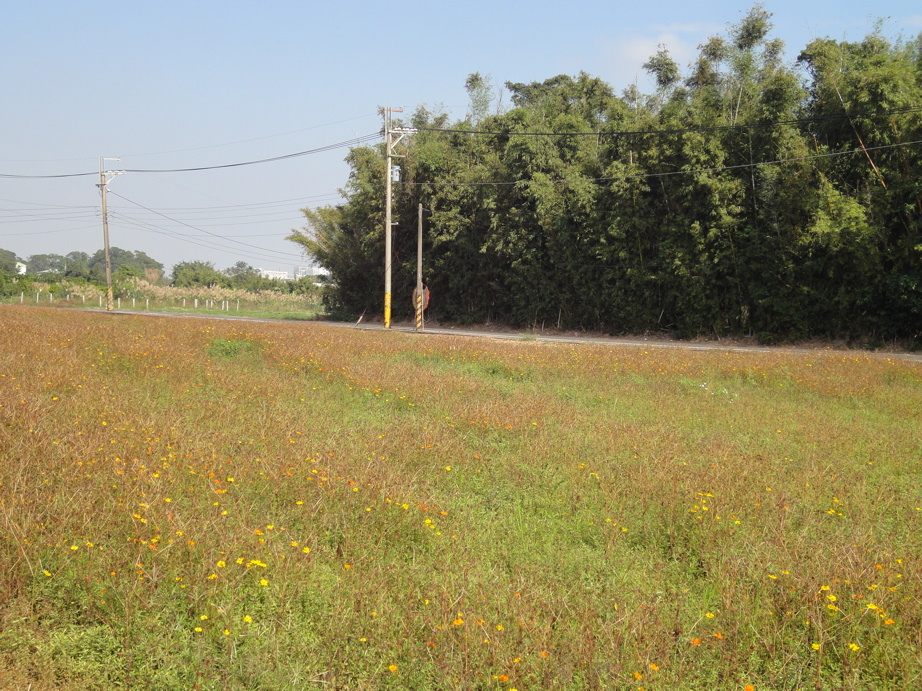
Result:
[191,84]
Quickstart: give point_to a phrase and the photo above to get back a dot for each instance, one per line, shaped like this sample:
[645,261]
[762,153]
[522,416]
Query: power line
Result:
[144,226]
[330,147]
[207,232]
[715,169]
[254,139]
[357,141]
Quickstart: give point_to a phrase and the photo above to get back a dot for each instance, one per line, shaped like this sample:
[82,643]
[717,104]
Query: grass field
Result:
[189,503]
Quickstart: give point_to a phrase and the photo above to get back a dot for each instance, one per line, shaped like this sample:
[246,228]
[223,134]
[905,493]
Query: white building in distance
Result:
[305,271]
[281,275]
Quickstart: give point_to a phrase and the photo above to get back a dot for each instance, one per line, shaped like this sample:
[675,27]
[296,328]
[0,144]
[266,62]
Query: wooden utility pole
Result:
[102,184]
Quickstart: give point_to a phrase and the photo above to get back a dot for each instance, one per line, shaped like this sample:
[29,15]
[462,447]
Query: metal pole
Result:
[387,224]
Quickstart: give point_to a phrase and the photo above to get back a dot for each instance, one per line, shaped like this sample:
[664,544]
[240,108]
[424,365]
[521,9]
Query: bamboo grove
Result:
[752,195]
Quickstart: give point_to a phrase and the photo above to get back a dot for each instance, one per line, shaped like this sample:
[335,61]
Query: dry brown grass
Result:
[478,514]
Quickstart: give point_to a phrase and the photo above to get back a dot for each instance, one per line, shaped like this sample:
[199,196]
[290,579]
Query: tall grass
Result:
[187,503]
[135,293]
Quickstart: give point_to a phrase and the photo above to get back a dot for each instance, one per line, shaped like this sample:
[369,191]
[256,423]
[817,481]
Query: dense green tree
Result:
[480,95]
[751,196]
[8,261]
[198,273]
[77,265]
[129,263]
[45,263]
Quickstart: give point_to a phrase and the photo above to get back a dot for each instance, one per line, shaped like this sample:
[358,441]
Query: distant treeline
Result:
[749,195]
[127,267]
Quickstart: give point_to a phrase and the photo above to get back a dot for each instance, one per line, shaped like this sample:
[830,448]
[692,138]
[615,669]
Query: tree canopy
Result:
[750,195]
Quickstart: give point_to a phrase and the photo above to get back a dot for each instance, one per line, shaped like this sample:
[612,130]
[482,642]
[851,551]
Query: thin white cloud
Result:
[913,21]
[623,60]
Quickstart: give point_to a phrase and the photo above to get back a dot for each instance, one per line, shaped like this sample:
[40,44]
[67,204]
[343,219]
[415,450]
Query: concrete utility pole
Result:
[390,144]
[105,177]
[420,296]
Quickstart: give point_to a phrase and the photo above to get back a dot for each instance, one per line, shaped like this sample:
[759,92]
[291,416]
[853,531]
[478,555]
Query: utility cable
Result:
[330,147]
[144,226]
[715,169]
[357,141]
[207,232]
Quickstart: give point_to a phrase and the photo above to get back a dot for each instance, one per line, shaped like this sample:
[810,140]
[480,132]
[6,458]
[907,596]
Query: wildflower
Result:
[393,668]
[709,615]
[263,582]
[696,641]
[503,677]
[749,687]
[638,676]
[815,646]
[855,647]
[458,622]
[654,667]
[198,629]
[888,622]
[247,619]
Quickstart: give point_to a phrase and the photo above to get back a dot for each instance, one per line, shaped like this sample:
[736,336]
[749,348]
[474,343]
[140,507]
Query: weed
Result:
[188,503]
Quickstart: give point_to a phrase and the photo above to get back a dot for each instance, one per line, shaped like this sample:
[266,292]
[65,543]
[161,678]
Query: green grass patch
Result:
[216,504]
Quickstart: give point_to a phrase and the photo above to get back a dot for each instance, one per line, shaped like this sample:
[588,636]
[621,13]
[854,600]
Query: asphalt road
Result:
[576,337]
[638,341]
